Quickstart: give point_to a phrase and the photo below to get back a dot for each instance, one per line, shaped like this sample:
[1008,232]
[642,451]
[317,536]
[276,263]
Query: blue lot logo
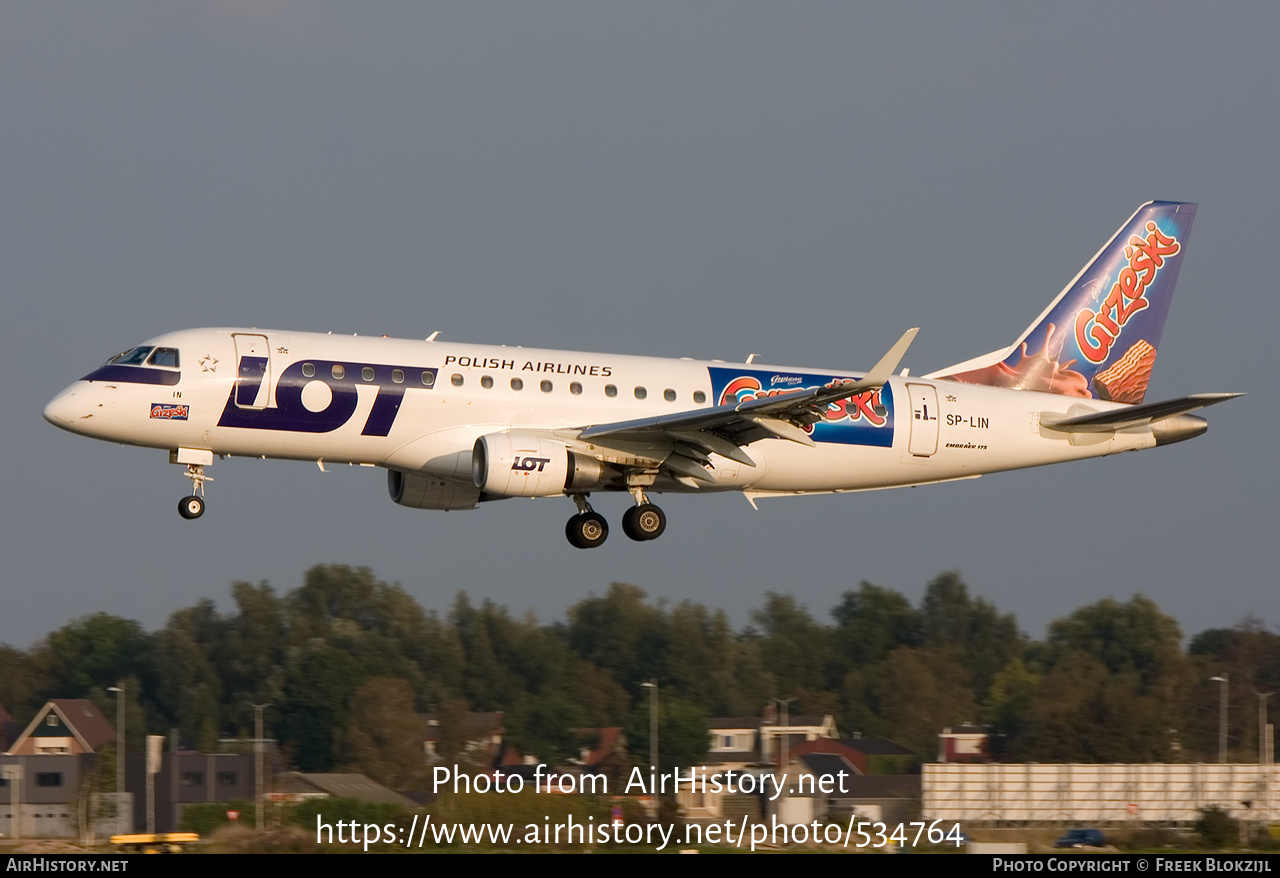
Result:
[290,415]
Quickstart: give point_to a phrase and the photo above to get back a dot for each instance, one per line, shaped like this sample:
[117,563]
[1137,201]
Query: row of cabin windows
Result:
[427,377]
[610,390]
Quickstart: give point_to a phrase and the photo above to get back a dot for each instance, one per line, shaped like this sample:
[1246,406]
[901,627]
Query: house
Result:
[8,730]
[742,742]
[743,750]
[829,786]
[72,726]
[297,785]
[45,766]
[475,737]
[189,778]
[605,753]
[963,744]
[867,756]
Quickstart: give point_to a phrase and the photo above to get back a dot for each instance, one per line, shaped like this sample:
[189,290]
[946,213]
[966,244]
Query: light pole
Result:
[1264,753]
[652,686]
[257,763]
[119,690]
[1222,717]
[785,703]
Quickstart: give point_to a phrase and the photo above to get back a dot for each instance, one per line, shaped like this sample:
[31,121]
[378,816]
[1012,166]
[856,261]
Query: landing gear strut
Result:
[193,507]
[587,529]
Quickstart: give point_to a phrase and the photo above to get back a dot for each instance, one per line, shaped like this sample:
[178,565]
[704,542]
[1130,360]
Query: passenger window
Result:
[486,382]
[308,370]
[367,373]
[397,375]
[610,390]
[428,379]
[455,379]
[575,388]
[641,393]
[338,371]
[546,386]
[669,395]
[699,397]
[517,384]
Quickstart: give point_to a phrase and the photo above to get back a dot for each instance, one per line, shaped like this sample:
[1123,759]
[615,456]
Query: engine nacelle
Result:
[430,492]
[520,465]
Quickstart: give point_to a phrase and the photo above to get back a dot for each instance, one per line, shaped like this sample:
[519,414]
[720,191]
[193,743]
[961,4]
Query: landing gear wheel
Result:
[644,522]
[191,507]
[587,530]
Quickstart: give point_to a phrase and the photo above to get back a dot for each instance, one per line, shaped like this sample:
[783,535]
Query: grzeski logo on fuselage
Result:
[319,396]
[853,421]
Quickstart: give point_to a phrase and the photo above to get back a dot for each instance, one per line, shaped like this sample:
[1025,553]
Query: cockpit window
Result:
[164,357]
[131,357]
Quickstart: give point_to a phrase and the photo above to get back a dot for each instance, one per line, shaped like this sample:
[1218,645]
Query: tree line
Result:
[347,662]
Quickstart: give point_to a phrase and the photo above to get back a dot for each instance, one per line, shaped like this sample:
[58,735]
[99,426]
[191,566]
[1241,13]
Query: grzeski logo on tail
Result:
[1099,337]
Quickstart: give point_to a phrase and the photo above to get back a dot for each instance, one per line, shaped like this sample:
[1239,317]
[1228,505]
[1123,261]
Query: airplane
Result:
[455,425]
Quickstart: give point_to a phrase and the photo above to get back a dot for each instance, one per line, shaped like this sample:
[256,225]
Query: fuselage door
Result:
[924,419]
[253,371]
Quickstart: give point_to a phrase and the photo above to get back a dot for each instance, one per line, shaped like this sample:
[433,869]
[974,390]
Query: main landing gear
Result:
[588,529]
[193,507]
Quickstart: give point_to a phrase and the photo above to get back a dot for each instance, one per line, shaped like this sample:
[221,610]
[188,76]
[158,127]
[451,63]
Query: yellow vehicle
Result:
[155,843]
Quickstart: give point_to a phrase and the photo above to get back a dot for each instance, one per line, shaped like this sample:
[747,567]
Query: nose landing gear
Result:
[192,507]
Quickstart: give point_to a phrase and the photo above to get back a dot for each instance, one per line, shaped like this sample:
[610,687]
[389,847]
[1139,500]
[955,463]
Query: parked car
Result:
[1082,838]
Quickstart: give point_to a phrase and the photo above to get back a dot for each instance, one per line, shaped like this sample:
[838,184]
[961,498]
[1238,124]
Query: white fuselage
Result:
[419,407]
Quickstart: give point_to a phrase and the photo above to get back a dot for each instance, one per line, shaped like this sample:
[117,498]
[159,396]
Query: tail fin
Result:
[1098,338]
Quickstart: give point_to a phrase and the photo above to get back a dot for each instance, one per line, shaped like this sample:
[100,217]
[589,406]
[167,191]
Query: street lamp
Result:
[652,686]
[1222,717]
[119,690]
[257,763]
[785,703]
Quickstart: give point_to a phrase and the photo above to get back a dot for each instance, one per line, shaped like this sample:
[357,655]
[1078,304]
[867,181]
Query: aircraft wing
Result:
[724,429]
[1129,416]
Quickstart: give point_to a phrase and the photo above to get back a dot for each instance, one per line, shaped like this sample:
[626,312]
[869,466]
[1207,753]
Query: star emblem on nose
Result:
[208,363]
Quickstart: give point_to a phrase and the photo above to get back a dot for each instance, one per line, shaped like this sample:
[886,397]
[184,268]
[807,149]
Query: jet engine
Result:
[430,492]
[521,465]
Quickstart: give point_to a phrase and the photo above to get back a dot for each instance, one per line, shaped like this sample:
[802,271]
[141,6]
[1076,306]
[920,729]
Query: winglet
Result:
[883,370]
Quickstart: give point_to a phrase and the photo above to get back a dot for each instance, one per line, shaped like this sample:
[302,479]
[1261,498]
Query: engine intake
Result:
[521,465]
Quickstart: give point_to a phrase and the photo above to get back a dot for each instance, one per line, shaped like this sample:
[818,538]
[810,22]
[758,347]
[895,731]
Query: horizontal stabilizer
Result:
[1131,416]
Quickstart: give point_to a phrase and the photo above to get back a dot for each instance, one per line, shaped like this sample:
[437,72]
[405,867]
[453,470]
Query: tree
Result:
[385,735]
[795,646]
[621,634]
[684,734]
[981,639]
[872,622]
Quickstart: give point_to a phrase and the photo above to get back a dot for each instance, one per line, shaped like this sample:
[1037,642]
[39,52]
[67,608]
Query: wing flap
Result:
[682,439]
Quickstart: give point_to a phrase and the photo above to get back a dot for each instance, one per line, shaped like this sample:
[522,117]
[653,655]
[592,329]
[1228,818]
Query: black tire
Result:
[587,530]
[644,522]
[191,507]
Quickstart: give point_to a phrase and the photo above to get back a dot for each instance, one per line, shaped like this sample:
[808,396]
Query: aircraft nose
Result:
[64,409]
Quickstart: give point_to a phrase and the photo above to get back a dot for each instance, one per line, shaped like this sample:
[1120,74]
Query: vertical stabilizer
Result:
[1098,338]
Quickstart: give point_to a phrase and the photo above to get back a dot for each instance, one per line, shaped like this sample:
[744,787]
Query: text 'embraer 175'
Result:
[455,425]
